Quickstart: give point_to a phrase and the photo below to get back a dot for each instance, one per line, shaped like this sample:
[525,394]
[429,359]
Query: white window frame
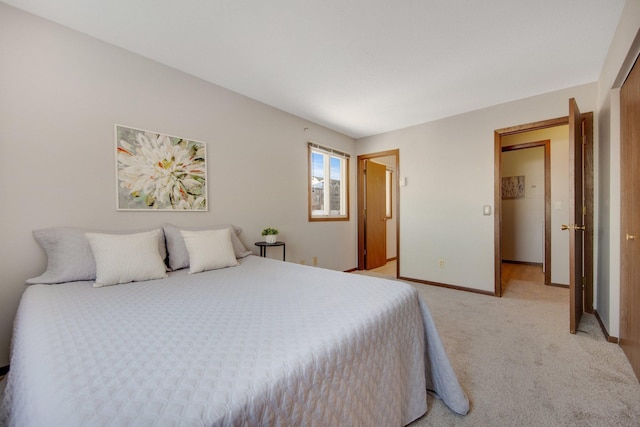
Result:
[326,214]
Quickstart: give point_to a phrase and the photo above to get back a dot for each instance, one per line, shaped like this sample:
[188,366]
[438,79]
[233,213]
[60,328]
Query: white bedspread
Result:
[264,343]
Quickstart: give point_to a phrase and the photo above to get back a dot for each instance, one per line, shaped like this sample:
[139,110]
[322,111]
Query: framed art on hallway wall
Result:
[513,187]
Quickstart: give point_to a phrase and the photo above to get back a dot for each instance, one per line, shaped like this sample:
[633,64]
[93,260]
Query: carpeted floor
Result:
[520,366]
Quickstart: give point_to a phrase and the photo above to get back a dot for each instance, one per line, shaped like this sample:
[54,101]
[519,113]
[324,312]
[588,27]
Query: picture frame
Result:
[513,187]
[159,172]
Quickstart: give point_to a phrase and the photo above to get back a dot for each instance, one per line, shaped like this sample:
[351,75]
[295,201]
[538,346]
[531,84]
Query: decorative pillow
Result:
[126,258]
[209,249]
[69,255]
[178,254]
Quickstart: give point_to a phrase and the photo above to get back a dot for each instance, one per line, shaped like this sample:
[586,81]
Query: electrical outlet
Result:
[441,263]
[315,260]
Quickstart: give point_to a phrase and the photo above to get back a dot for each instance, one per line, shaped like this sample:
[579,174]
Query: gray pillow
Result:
[69,254]
[177,250]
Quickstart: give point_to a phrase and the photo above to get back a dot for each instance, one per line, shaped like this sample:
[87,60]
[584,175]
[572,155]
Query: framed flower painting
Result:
[159,172]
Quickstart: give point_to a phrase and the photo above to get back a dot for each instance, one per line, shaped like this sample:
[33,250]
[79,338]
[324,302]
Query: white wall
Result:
[624,48]
[61,93]
[523,218]
[559,137]
[449,166]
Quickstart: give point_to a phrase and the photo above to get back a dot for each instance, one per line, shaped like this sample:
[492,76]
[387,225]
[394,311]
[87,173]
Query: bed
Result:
[261,342]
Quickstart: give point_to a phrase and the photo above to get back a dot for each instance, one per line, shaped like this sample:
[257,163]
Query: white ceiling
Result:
[360,67]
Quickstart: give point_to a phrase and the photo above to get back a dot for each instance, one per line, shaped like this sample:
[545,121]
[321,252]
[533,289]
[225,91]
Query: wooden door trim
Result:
[589,215]
[546,144]
[544,124]
[560,121]
[497,211]
[361,207]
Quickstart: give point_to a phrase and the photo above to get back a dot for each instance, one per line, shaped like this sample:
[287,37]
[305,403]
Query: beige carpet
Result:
[520,366]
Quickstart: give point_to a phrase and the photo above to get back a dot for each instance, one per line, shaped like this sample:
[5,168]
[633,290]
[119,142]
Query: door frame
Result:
[361,204]
[588,195]
[546,144]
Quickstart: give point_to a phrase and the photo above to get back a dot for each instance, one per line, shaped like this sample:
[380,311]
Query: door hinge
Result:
[584,282]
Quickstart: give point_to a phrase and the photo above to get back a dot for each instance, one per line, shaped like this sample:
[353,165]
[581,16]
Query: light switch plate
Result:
[486,210]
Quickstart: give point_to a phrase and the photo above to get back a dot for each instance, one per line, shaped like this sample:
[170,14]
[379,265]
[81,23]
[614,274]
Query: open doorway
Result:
[556,252]
[378,211]
[526,207]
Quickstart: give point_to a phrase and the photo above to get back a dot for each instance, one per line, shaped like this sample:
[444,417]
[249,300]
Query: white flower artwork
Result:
[159,172]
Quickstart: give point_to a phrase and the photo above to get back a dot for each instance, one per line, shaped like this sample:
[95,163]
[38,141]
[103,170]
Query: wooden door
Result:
[630,219]
[576,213]
[375,216]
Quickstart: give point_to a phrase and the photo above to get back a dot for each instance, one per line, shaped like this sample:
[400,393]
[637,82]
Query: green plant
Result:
[270,231]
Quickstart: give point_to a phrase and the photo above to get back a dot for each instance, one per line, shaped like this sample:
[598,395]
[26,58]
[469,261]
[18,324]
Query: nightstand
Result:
[264,245]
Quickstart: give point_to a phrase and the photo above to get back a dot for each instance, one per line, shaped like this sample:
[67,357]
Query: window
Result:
[328,184]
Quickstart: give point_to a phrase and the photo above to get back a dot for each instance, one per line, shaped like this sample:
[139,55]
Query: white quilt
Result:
[263,343]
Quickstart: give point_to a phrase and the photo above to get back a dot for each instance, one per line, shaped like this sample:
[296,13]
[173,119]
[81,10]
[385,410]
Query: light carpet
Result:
[520,366]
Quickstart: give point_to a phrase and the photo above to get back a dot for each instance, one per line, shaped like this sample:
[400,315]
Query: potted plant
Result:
[270,234]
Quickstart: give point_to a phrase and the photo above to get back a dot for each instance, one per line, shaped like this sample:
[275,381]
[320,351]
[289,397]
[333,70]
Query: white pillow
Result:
[209,249]
[126,258]
[178,256]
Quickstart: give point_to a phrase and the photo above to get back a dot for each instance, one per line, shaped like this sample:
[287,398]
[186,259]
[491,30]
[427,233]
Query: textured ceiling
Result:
[361,67]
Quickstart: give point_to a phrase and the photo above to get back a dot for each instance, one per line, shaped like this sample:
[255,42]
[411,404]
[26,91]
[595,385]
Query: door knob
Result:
[573,227]
[631,237]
